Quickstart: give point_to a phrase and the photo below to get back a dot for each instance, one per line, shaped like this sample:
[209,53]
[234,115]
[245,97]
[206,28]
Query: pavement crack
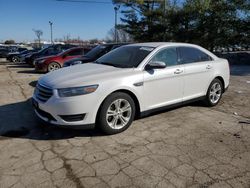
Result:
[16,83]
[69,171]
[71,175]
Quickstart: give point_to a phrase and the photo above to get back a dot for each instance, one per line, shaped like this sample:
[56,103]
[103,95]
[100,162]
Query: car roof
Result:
[174,44]
[114,44]
[158,44]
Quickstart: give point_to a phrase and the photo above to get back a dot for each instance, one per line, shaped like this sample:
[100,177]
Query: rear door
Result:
[198,68]
[164,87]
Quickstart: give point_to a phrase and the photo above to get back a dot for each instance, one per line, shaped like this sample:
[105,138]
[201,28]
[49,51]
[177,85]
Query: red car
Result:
[51,63]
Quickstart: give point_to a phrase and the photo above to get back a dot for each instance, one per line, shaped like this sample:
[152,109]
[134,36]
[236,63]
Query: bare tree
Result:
[38,34]
[66,38]
[122,36]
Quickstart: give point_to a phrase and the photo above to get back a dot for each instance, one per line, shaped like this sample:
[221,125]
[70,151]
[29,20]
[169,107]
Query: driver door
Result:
[164,87]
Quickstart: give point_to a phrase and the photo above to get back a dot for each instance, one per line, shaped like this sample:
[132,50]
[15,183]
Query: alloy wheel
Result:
[14,59]
[215,93]
[118,114]
[53,67]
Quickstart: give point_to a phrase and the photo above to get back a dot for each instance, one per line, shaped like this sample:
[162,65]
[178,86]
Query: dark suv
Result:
[93,54]
[51,50]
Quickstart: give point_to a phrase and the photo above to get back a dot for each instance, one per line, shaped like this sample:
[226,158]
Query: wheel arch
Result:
[131,94]
[222,81]
[53,61]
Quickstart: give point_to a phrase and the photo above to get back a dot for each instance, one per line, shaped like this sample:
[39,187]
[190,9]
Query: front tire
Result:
[214,93]
[116,113]
[53,66]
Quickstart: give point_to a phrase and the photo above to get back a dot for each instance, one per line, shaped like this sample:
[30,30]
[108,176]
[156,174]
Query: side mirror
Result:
[155,65]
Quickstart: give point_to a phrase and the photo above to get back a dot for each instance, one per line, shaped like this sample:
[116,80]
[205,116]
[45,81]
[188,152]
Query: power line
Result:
[86,1]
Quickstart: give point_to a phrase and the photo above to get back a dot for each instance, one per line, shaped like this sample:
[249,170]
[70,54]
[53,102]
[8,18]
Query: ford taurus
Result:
[132,80]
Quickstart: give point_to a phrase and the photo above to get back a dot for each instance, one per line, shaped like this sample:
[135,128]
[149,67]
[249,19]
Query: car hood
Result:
[82,74]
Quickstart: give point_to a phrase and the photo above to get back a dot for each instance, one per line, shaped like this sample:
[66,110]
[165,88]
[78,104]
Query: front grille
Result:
[43,93]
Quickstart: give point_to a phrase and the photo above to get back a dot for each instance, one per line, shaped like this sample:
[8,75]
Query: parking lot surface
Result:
[191,146]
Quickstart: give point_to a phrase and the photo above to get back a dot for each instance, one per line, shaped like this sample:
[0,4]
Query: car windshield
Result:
[42,50]
[64,52]
[95,51]
[24,52]
[125,56]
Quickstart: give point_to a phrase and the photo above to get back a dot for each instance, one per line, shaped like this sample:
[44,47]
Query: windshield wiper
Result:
[112,64]
[109,64]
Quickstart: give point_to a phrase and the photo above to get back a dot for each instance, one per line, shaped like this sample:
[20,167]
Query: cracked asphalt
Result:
[190,146]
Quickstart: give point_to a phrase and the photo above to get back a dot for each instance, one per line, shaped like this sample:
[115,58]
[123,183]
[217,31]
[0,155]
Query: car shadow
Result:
[6,62]
[29,72]
[18,120]
[16,65]
[33,83]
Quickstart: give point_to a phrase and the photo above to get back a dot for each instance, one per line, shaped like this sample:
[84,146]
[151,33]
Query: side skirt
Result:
[148,112]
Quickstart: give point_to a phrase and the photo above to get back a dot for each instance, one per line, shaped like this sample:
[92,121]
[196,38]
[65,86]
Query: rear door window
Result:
[192,55]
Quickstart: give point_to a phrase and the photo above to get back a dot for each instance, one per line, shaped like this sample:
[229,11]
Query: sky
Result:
[86,20]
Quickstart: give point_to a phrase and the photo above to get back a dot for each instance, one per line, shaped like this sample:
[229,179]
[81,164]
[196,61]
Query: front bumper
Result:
[40,67]
[56,109]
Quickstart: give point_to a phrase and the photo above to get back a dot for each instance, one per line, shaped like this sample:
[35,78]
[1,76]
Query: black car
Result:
[19,49]
[93,54]
[4,52]
[51,50]
[16,56]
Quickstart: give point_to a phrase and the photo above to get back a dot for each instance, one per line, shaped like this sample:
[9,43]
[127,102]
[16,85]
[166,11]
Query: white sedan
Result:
[130,81]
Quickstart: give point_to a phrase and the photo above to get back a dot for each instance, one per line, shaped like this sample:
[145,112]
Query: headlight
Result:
[74,91]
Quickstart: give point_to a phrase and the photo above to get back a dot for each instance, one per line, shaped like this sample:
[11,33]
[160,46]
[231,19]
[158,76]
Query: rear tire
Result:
[53,66]
[116,113]
[214,93]
[15,59]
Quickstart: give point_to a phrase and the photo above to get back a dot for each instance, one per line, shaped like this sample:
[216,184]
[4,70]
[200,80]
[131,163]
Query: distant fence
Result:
[236,58]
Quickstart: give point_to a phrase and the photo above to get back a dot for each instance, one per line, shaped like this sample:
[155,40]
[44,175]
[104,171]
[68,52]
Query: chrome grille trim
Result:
[43,93]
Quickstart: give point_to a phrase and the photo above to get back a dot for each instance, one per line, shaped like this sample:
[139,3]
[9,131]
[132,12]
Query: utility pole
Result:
[116,8]
[51,32]
[164,20]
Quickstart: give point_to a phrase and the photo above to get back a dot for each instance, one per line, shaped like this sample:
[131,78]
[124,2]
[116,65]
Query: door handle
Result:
[209,67]
[178,71]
